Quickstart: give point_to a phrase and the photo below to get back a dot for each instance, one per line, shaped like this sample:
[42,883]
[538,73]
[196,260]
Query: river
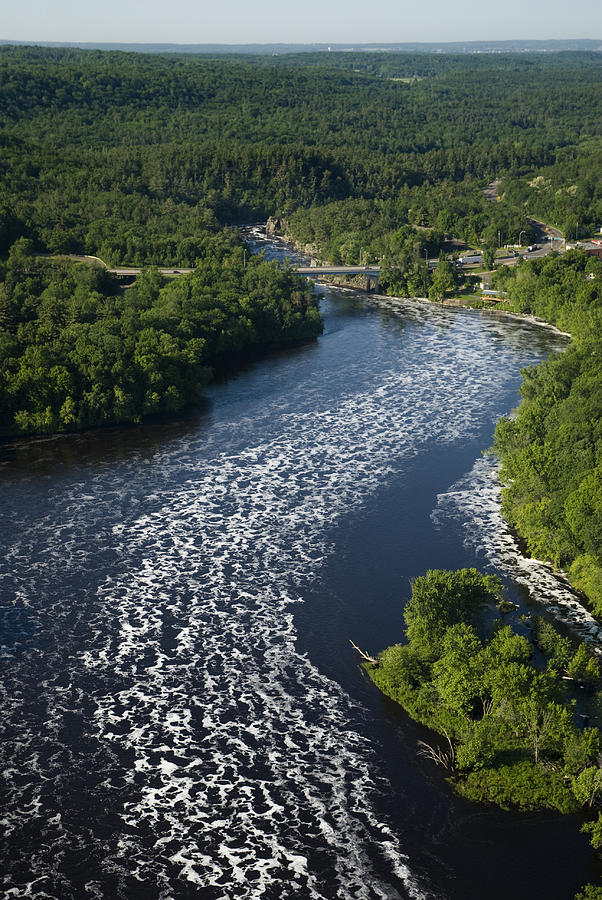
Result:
[182,713]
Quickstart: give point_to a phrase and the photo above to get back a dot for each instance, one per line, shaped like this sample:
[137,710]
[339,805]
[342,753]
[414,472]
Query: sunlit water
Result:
[182,715]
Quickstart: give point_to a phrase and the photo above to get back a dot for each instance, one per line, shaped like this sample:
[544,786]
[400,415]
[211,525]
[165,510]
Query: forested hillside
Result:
[552,451]
[124,155]
[75,351]
[143,160]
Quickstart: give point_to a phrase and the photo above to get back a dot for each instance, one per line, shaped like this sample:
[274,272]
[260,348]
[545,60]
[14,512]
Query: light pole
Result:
[519,238]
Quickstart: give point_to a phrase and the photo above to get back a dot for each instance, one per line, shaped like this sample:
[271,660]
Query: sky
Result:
[307,21]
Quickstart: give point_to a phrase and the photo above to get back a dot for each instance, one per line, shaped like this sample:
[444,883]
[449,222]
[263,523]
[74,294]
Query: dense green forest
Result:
[500,697]
[552,450]
[143,159]
[124,155]
[77,351]
[567,194]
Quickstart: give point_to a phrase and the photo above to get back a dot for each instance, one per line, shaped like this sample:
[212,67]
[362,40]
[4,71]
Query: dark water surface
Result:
[182,714]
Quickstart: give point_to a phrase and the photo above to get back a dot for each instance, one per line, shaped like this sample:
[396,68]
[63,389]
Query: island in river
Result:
[180,712]
[513,734]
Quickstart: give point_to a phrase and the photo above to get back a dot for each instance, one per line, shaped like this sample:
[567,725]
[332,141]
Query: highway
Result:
[135,271]
[338,270]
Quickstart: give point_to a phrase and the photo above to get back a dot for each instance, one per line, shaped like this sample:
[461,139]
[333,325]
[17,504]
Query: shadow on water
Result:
[460,849]
[105,549]
[46,455]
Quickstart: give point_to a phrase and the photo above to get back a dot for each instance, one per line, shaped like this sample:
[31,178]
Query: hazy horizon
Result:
[235,22]
[257,47]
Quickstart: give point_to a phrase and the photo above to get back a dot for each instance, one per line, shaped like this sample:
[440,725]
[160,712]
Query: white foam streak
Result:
[227,557]
[246,765]
[476,501]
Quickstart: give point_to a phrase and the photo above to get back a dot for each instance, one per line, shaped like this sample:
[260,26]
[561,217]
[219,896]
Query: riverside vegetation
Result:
[77,352]
[513,731]
[143,160]
[551,451]
[508,722]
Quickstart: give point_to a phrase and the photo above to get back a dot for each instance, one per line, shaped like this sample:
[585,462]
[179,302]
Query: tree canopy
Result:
[498,697]
[551,450]
[77,351]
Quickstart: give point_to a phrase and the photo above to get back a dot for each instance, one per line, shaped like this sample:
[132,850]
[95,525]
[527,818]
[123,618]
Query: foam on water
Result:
[156,679]
[475,501]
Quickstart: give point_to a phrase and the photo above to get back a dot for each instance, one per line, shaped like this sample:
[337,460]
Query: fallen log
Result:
[371,659]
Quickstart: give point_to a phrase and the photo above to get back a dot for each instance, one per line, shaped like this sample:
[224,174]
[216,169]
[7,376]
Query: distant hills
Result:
[549,46]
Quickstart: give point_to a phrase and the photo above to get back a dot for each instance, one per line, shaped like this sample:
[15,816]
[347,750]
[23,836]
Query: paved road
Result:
[338,270]
[544,234]
[135,271]
[124,270]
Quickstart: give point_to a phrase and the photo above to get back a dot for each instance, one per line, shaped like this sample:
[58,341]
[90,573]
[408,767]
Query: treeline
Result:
[401,230]
[142,205]
[498,697]
[551,451]
[128,156]
[409,65]
[567,194]
[147,205]
[75,351]
[95,98]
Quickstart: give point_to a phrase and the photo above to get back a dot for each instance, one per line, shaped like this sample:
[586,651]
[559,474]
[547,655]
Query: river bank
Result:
[177,599]
[572,558]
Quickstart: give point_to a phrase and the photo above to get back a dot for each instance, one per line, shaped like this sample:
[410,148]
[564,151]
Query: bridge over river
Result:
[371,272]
[130,273]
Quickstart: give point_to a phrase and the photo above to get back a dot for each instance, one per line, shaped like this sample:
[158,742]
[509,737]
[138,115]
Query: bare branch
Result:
[445,758]
[371,659]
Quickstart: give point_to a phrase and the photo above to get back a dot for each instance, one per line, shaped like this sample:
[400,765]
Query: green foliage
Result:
[552,451]
[584,667]
[523,785]
[594,829]
[581,750]
[590,892]
[477,752]
[441,599]
[540,725]
[457,674]
[557,648]
[585,573]
[77,352]
[399,667]
[444,279]
[514,739]
[587,785]
[489,256]
[566,194]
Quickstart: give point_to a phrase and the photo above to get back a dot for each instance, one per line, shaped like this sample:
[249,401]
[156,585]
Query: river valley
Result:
[182,713]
